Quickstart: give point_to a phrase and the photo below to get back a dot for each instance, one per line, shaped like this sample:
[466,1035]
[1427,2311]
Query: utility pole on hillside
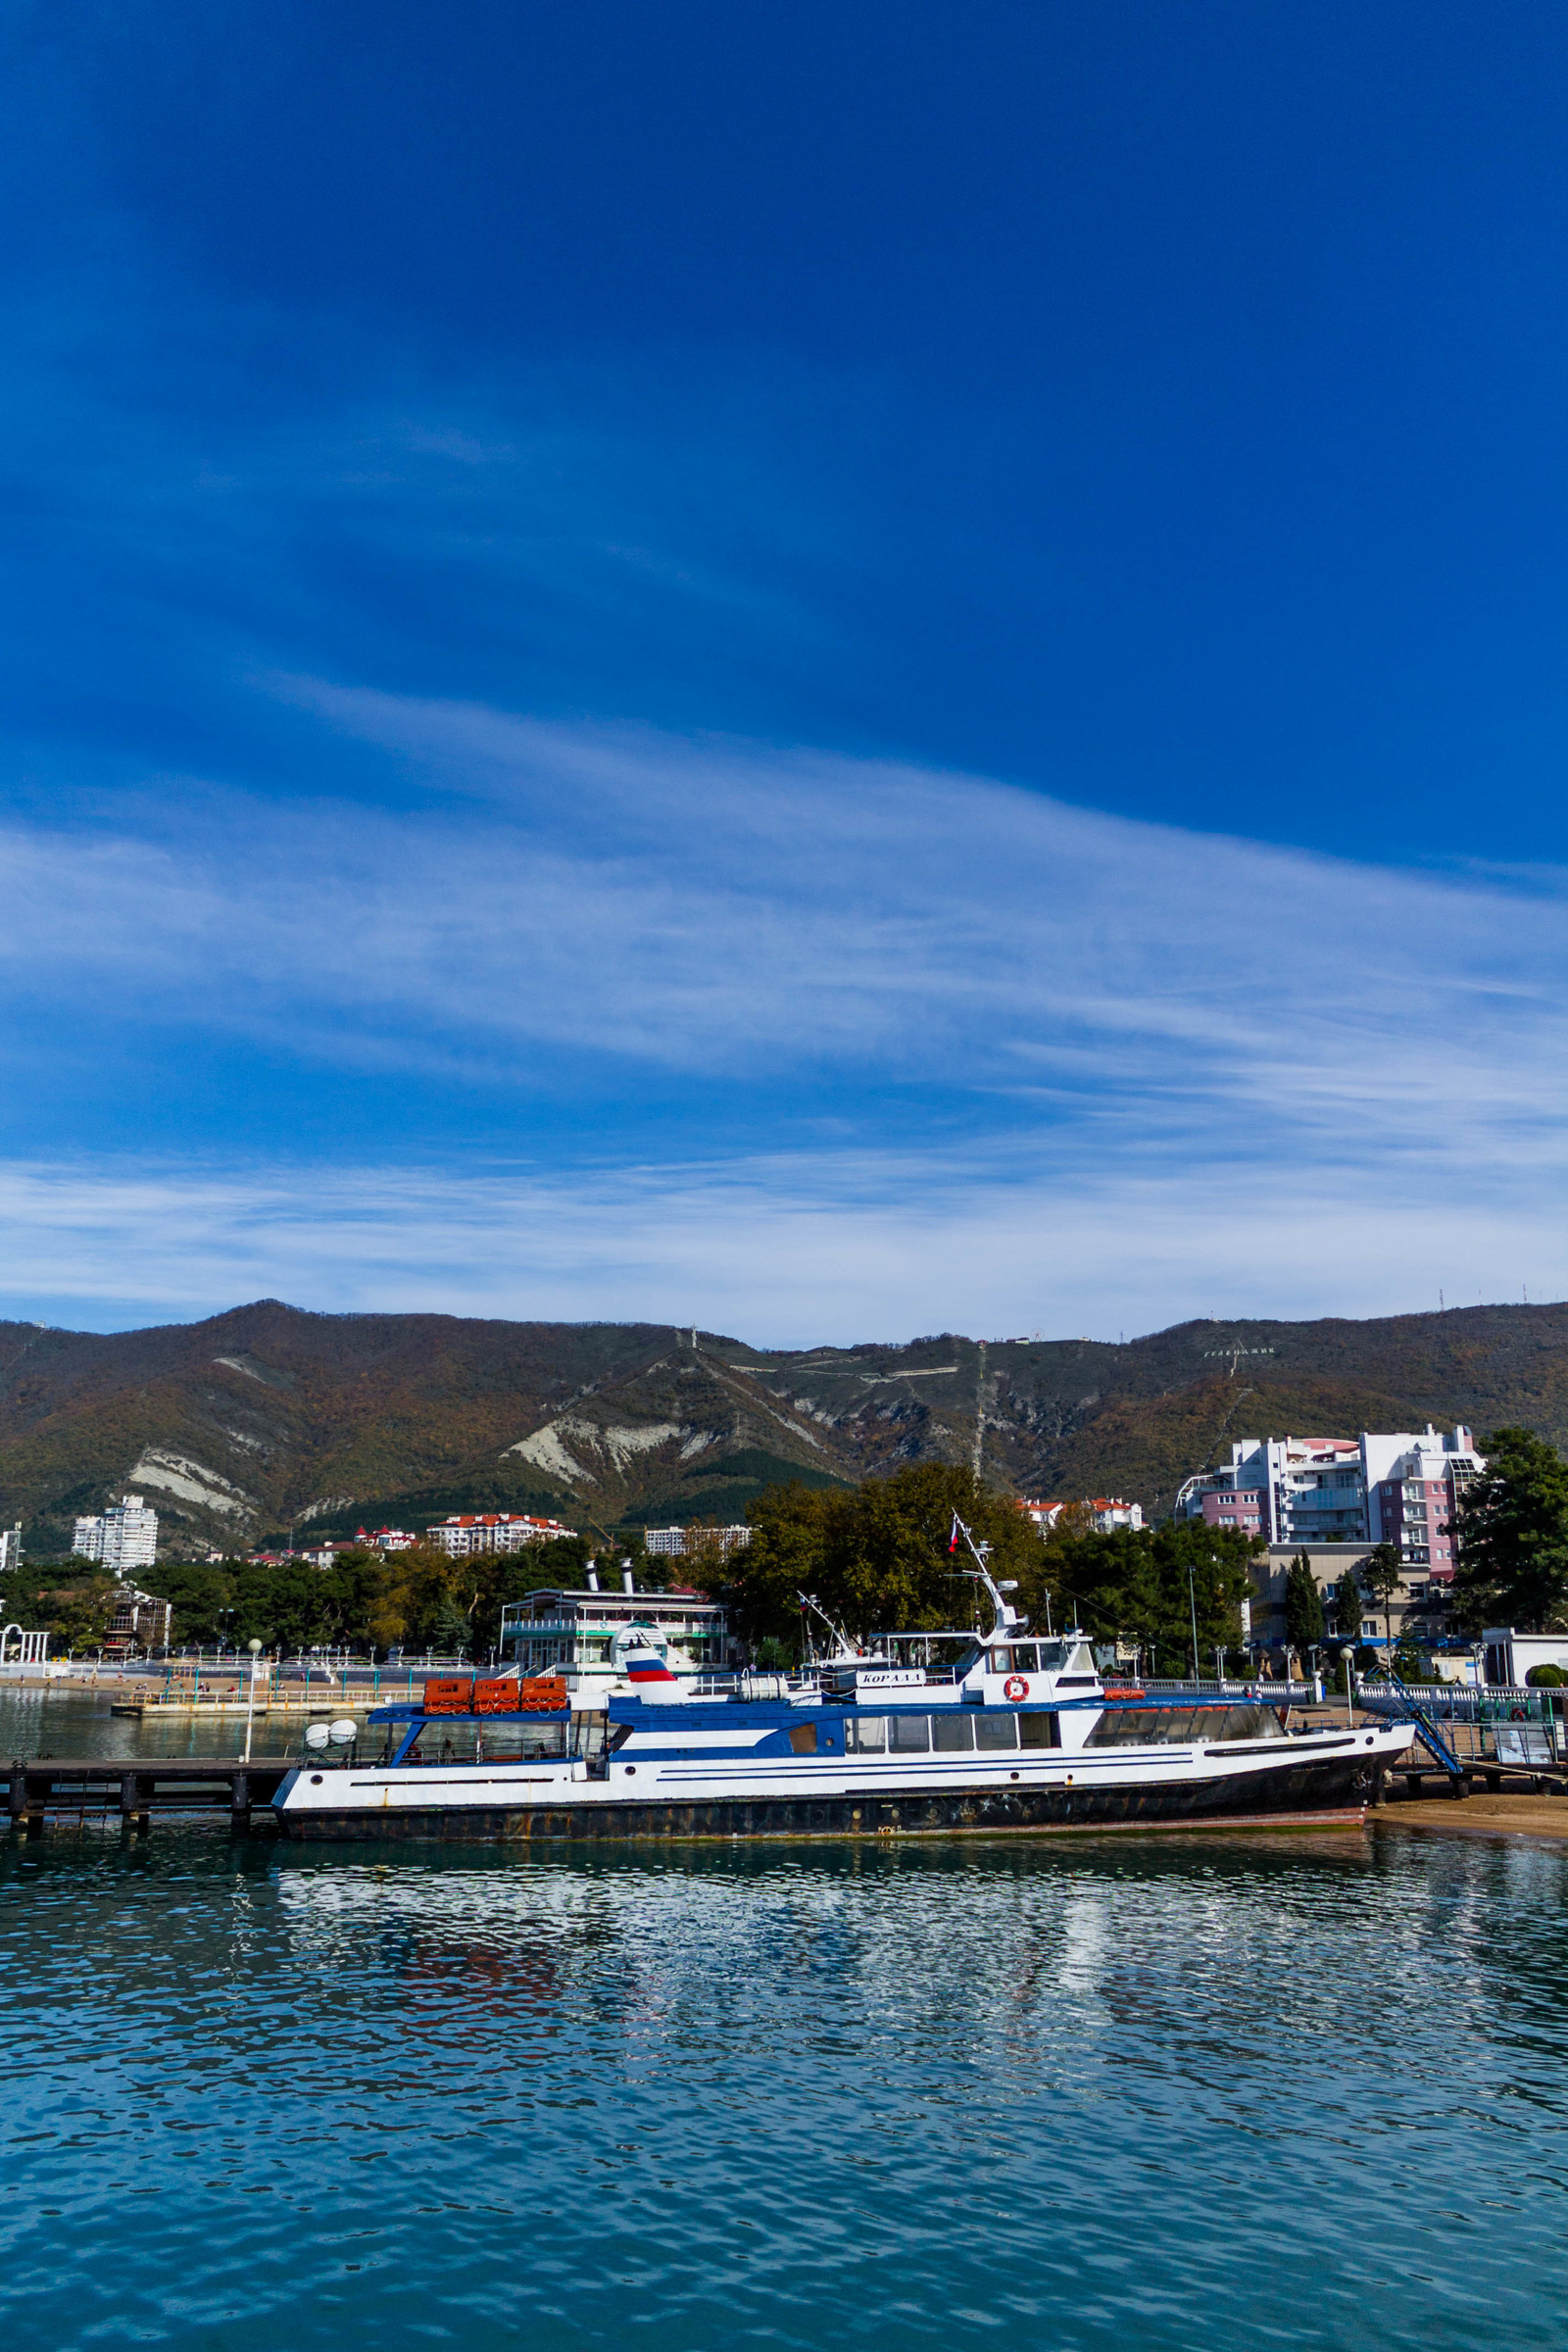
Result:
[979,1413]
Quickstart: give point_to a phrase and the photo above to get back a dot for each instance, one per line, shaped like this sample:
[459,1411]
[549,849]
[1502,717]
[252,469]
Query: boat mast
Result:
[1008,1619]
[842,1646]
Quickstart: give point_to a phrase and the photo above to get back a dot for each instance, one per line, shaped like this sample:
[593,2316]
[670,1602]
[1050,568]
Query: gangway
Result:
[1426,1731]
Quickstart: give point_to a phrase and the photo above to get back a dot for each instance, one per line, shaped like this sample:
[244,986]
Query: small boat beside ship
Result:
[1018,1732]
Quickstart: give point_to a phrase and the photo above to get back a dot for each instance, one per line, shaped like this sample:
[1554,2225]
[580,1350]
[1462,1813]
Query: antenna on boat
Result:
[842,1646]
[1008,1618]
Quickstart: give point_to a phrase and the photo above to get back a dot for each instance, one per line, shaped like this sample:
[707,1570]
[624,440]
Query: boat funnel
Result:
[627,1584]
[592,1577]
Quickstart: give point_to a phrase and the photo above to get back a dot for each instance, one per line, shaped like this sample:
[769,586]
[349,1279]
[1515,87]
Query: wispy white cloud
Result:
[1197,1074]
[777,1251]
[720,908]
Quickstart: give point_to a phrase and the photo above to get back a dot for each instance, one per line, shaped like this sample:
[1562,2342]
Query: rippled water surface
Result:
[1069,2094]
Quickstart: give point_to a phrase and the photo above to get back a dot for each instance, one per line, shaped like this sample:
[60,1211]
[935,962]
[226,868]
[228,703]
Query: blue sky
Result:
[835,671]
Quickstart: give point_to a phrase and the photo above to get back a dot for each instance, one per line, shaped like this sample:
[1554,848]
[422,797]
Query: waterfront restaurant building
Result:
[555,1628]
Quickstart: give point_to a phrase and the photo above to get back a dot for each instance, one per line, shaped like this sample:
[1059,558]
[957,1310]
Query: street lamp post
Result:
[1348,1658]
[1192,1603]
[255,1649]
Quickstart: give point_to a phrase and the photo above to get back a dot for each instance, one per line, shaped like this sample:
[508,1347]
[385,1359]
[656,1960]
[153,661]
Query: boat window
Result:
[1039,1731]
[1001,1662]
[1173,1724]
[911,1734]
[1052,1656]
[487,1739]
[1244,1722]
[1025,1657]
[996,1731]
[1123,1727]
[1163,1726]
[519,1742]
[803,1739]
[867,1734]
[954,1733]
[444,1742]
[508,1742]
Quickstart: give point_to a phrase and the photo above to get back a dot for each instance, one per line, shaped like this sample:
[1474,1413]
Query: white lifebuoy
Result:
[1015,1687]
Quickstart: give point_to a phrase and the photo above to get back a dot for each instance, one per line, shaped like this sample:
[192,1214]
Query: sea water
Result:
[1304,2088]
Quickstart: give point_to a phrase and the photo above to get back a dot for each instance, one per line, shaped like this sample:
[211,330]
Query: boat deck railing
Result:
[1276,1691]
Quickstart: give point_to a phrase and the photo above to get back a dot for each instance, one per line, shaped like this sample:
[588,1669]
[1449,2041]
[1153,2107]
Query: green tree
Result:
[199,1593]
[876,1556]
[78,1617]
[1110,1585]
[1201,1568]
[1347,1607]
[449,1630]
[1513,1536]
[1303,1606]
[1382,1575]
[408,1592]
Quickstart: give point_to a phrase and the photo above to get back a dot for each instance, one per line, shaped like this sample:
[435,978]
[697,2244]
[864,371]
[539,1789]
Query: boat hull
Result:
[1330,1790]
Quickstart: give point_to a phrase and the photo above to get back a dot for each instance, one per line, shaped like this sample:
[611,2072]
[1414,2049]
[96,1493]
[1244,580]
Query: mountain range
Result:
[269,1420]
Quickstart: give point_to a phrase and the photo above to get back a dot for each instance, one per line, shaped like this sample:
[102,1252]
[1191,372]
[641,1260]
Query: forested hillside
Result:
[269,1421]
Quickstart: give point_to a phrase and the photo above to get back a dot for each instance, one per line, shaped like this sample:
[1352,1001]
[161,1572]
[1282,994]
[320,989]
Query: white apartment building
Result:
[673,1542]
[124,1536]
[10,1549]
[1414,1488]
[1106,1511]
[1379,1488]
[470,1532]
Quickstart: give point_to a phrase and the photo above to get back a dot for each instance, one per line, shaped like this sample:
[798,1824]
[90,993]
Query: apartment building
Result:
[1301,1493]
[469,1532]
[123,1538]
[1415,1612]
[1106,1513]
[1414,1488]
[10,1549]
[674,1543]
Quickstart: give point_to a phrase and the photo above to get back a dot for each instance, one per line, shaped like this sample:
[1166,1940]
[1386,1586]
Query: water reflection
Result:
[1079,2092]
[48,1723]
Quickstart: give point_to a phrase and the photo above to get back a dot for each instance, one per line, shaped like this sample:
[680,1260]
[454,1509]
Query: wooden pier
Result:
[1540,1779]
[131,1789]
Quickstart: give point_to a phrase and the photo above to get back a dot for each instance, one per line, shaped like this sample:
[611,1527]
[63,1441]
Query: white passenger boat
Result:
[1018,1734]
